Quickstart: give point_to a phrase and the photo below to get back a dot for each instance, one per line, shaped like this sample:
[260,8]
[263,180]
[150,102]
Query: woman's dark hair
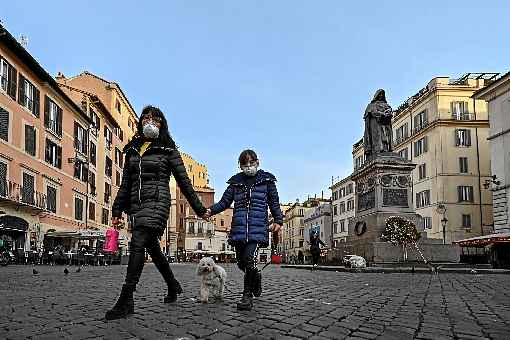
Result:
[164,135]
[246,155]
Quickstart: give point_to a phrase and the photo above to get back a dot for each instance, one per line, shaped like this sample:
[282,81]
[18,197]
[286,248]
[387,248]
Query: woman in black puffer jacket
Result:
[150,158]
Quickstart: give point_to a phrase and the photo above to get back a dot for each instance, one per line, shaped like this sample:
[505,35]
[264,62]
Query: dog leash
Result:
[273,250]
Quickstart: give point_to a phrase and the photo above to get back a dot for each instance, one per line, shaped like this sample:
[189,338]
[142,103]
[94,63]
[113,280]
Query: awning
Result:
[485,240]
[82,235]
[13,223]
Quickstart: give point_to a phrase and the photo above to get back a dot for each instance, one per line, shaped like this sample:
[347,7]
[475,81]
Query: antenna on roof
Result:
[23,40]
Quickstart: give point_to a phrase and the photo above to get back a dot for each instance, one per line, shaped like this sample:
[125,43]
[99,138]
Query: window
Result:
[108,137]
[335,227]
[422,198]
[92,211]
[80,171]
[421,146]
[108,167]
[105,216]
[463,165]
[342,192]
[52,116]
[350,189]
[119,133]
[342,207]
[96,121]
[463,137]
[3,179]
[335,195]
[117,178]
[93,154]
[107,192]
[427,222]
[350,205]
[80,138]
[422,171]
[117,106]
[51,199]
[200,227]
[222,223]
[28,189]
[199,245]
[358,163]
[92,182]
[4,124]
[78,209]
[28,95]
[192,227]
[8,75]
[342,226]
[53,154]
[421,120]
[335,210]
[401,133]
[30,140]
[465,193]
[404,153]
[466,221]
[460,111]
[118,157]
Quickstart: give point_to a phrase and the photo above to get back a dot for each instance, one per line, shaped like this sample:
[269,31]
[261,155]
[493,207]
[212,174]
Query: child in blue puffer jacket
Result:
[252,192]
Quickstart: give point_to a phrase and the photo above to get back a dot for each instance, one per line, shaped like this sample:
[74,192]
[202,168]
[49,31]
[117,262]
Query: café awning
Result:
[485,240]
[13,223]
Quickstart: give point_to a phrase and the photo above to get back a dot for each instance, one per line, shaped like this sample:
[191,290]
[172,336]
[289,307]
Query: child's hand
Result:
[207,214]
[275,228]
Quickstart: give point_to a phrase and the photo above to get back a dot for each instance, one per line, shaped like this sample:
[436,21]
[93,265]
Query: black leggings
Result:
[316,253]
[146,238]
[246,255]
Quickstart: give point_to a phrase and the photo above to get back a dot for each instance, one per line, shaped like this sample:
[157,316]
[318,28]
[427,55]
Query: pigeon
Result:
[34,271]
[79,269]
[66,271]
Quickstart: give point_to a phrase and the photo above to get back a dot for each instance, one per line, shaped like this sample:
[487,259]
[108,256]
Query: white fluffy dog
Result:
[213,280]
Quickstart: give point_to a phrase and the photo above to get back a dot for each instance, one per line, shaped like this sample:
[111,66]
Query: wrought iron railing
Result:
[15,192]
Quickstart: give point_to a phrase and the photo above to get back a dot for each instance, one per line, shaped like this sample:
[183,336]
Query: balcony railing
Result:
[15,192]
[463,116]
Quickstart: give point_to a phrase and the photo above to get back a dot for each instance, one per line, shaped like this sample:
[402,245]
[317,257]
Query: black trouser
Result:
[245,254]
[146,238]
[316,253]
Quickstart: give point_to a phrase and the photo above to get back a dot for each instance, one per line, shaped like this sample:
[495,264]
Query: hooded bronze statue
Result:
[378,132]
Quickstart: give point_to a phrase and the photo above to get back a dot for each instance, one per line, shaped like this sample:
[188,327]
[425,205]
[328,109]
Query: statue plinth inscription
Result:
[395,198]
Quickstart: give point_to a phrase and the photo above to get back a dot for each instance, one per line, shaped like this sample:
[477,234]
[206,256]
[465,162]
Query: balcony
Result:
[463,116]
[16,194]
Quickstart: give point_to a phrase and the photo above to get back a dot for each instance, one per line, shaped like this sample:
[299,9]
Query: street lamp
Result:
[492,180]
[444,221]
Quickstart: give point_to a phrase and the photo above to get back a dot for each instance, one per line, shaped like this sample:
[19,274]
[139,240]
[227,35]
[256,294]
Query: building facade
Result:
[444,132]
[41,135]
[343,209]
[497,94]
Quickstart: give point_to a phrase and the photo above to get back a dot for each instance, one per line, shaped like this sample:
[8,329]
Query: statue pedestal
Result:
[383,189]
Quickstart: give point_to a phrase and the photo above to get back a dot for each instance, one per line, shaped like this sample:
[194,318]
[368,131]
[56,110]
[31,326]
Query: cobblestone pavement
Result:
[296,304]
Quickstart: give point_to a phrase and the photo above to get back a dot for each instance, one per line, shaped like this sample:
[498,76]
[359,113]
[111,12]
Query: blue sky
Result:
[289,79]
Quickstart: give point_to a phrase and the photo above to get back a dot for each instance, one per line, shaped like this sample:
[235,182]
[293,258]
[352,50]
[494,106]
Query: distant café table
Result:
[69,257]
[88,258]
[100,259]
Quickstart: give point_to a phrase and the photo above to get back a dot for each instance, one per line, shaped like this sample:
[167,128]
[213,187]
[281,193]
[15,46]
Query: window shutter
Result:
[468,137]
[452,109]
[470,190]
[11,86]
[461,165]
[459,194]
[457,139]
[21,91]
[59,157]
[4,124]
[37,102]
[425,144]
[425,116]
[75,135]
[47,151]
[46,111]
[59,121]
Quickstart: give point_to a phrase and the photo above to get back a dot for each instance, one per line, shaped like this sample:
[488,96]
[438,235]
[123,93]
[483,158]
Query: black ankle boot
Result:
[124,306]
[246,302]
[173,290]
[256,287]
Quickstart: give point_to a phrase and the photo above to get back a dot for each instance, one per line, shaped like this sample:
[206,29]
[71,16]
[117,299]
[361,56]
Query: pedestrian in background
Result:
[315,249]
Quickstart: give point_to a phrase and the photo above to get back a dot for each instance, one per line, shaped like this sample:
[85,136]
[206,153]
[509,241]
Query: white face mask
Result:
[150,130]
[250,170]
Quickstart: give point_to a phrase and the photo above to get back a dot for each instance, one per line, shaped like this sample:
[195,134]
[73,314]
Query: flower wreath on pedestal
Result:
[402,232]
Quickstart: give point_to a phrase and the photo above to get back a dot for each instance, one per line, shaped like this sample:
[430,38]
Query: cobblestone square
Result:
[296,304]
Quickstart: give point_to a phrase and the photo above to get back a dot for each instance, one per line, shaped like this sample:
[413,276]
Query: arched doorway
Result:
[13,231]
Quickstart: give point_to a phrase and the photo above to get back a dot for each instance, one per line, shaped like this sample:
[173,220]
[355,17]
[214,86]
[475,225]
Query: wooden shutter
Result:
[11,86]
[425,144]
[59,157]
[59,121]
[47,151]
[470,190]
[75,135]
[459,193]
[4,124]
[21,90]
[30,140]
[3,179]
[37,102]
[46,111]
[468,137]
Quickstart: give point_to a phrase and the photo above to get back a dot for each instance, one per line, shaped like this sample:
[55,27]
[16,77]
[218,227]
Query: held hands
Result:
[275,228]
[207,214]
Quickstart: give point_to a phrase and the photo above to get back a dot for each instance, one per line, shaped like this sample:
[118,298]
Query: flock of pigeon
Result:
[66,271]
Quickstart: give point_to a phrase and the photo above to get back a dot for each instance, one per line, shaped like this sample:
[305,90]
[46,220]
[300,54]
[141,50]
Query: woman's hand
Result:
[207,214]
[275,228]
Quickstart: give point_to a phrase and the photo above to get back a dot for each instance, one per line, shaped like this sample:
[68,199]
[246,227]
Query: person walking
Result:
[150,158]
[315,250]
